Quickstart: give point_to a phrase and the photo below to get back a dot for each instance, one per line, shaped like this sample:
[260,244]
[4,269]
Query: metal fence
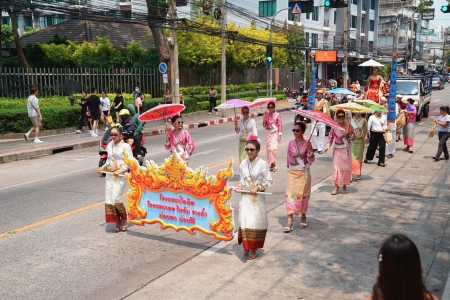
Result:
[16,82]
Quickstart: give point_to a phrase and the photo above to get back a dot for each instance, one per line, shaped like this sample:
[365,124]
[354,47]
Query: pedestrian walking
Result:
[254,177]
[95,110]
[320,128]
[168,97]
[300,156]
[342,152]
[83,113]
[301,86]
[359,125]
[273,126]
[115,183]
[392,127]
[34,113]
[212,99]
[408,131]
[106,109]
[245,127]
[402,106]
[138,103]
[399,272]
[444,132]
[118,104]
[179,140]
[377,126]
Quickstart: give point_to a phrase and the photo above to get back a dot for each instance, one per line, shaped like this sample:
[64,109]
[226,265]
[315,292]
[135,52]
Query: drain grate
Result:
[59,150]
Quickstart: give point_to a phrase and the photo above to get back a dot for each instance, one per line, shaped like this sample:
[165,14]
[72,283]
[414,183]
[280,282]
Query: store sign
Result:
[326,56]
[175,196]
[429,15]
[427,31]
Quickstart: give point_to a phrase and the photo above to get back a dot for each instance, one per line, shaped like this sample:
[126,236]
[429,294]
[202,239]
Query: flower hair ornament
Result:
[117,125]
[252,137]
[380,257]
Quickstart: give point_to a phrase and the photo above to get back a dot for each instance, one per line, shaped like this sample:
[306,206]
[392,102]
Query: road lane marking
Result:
[51,219]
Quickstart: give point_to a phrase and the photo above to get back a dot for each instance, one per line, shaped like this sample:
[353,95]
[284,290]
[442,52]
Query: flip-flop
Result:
[251,257]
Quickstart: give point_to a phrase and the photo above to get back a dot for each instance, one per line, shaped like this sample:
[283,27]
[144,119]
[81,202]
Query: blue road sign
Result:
[162,67]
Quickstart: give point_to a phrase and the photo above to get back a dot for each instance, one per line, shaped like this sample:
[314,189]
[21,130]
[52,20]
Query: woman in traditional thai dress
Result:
[255,177]
[342,155]
[374,86]
[115,181]
[359,125]
[408,130]
[300,156]
[179,140]
[272,124]
[245,127]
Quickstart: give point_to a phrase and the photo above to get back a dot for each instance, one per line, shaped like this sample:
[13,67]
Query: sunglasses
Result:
[296,130]
[341,117]
[270,107]
[245,112]
[179,122]
[249,149]
[115,134]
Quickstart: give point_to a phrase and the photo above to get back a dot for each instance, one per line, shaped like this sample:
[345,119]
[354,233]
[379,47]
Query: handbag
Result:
[109,119]
[244,136]
[401,120]
[431,132]
[387,135]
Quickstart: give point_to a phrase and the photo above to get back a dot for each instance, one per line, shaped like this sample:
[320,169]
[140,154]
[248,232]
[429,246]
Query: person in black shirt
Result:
[84,110]
[118,104]
[95,108]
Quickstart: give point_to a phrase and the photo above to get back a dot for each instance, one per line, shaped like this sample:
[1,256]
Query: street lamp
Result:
[270,43]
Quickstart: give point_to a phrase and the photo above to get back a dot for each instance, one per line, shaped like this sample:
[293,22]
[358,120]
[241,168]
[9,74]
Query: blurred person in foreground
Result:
[400,272]
[300,156]
[254,177]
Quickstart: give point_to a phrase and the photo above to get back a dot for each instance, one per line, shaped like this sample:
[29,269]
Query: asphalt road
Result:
[75,255]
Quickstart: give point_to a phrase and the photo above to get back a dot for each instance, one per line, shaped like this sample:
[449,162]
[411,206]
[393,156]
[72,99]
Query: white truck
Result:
[417,87]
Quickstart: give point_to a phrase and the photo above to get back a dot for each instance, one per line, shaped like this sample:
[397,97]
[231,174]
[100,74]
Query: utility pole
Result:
[223,90]
[345,74]
[270,42]
[175,81]
[412,40]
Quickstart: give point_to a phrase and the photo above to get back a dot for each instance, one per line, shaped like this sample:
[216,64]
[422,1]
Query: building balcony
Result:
[326,23]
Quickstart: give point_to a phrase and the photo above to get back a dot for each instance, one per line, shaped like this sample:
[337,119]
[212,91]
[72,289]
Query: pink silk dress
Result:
[181,143]
[273,130]
[298,188]
[342,154]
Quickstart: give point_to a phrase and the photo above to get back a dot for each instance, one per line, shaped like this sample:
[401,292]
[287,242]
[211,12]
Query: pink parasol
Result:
[162,111]
[319,116]
[262,101]
[233,103]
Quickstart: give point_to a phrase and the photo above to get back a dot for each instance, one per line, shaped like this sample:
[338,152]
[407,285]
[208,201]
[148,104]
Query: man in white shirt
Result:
[376,125]
[322,105]
[34,113]
[392,127]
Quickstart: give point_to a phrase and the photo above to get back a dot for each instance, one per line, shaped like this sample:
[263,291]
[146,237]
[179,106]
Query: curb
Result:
[52,148]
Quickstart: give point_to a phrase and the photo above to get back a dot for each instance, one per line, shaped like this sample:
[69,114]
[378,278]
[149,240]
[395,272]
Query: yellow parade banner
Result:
[175,196]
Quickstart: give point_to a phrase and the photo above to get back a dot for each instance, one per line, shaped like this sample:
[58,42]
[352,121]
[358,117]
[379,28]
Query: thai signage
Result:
[180,198]
[427,31]
[326,56]
[429,15]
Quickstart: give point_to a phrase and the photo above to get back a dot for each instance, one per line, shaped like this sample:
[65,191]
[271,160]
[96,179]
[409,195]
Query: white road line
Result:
[437,100]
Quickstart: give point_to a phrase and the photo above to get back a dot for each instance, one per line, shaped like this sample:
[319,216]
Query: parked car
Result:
[446,77]
[438,82]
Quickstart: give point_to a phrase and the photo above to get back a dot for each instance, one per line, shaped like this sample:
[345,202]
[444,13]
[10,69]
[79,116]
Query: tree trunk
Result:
[20,53]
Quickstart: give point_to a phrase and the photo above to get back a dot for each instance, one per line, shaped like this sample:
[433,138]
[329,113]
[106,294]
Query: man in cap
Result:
[359,95]
[401,106]
[321,105]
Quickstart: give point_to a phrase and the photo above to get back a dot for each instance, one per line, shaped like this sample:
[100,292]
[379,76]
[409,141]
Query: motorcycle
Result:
[299,118]
[291,93]
[106,139]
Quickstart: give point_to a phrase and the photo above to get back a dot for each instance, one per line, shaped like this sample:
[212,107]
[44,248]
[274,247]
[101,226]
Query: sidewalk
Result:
[18,148]
[335,257]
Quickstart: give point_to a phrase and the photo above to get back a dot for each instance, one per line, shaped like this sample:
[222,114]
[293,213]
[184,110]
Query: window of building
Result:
[28,21]
[6,21]
[355,2]
[372,25]
[370,46]
[372,4]
[334,17]
[353,22]
[307,39]
[51,20]
[267,8]
[314,40]
[315,14]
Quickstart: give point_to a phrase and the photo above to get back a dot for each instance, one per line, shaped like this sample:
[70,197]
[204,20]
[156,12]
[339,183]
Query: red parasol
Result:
[262,101]
[162,111]
[319,117]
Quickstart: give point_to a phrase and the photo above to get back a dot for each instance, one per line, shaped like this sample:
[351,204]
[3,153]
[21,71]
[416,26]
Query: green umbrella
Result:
[372,105]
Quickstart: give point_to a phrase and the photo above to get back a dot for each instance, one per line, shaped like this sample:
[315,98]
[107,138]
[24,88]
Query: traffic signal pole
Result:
[175,81]
[223,71]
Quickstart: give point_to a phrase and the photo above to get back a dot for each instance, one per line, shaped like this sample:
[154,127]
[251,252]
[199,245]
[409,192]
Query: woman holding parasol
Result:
[272,124]
[179,140]
[245,127]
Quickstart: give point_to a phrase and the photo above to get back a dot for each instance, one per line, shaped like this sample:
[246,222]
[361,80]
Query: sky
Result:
[440,18]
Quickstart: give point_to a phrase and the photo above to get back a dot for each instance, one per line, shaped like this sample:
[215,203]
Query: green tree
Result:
[29,30]
[7,35]
[58,55]
[296,38]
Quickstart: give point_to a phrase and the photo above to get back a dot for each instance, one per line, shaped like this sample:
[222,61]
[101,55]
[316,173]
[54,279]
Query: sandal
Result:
[344,190]
[252,256]
[303,222]
[246,252]
[411,150]
[288,229]
[366,161]
[124,228]
[358,177]
[116,229]
[334,192]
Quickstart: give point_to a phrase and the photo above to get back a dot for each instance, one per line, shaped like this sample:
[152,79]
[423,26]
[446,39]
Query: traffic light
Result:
[269,53]
[335,3]
[445,9]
